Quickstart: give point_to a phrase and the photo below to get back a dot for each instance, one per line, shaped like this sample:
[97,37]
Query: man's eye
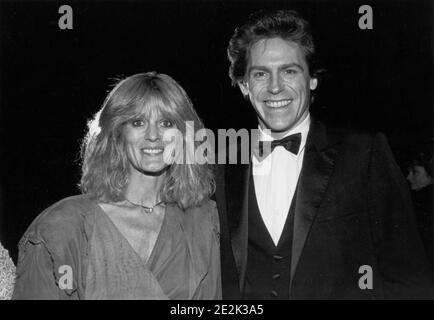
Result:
[258,74]
[166,123]
[290,71]
[137,123]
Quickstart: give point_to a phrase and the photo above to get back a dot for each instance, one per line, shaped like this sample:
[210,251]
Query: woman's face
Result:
[418,178]
[145,145]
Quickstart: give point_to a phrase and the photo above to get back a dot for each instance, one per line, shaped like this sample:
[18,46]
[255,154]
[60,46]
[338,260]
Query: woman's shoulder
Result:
[204,214]
[58,237]
[207,205]
[65,218]
[206,209]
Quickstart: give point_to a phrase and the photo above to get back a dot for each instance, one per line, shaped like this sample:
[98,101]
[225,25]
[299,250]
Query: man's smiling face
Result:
[278,84]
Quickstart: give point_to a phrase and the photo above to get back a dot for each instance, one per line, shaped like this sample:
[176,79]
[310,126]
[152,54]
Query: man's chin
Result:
[279,127]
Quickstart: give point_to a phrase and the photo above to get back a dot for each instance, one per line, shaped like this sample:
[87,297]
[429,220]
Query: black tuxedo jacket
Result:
[353,209]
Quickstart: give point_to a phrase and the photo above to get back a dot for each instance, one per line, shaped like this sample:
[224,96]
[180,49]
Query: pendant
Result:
[148,210]
[145,208]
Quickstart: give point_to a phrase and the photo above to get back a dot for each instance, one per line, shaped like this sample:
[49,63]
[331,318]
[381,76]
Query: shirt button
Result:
[276,276]
[277,257]
[273,293]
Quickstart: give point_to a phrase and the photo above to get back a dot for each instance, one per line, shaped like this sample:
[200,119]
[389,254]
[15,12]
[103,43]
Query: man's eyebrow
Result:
[258,68]
[292,65]
[284,66]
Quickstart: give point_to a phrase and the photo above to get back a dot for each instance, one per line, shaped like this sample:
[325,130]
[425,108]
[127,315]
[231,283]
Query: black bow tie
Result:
[290,143]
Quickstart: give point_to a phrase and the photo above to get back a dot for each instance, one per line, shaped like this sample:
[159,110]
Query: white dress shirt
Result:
[275,179]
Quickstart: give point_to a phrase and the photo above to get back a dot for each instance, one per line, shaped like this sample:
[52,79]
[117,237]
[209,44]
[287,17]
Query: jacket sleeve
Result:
[402,263]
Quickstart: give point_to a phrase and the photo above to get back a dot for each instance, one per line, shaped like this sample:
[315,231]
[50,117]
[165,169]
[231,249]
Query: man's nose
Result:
[275,85]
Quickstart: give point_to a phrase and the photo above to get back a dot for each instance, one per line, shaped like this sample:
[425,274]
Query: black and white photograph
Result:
[219,150]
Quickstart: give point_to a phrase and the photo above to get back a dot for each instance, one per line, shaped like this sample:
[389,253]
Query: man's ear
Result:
[244,87]
[313,83]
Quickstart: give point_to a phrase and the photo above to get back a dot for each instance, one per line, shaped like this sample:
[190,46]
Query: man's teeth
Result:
[152,151]
[277,104]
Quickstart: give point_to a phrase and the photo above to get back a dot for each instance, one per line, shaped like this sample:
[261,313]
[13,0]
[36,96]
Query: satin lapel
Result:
[318,165]
[237,186]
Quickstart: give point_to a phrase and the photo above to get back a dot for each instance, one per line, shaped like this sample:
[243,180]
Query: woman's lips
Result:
[153,151]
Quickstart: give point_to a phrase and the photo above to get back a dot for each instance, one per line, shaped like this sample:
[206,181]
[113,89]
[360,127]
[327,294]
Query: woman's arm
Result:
[51,253]
[36,274]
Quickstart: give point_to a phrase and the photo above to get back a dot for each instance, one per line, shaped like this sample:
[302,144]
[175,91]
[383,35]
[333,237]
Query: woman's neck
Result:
[144,189]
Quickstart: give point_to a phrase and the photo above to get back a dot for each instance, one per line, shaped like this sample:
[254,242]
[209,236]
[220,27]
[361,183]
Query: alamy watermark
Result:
[366,280]
[66,19]
[201,147]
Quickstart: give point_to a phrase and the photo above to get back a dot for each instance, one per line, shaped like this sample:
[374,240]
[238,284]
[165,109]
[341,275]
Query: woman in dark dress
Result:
[144,226]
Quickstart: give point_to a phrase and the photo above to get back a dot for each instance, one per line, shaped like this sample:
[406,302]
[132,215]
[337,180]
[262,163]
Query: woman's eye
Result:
[137,123]
[166,123]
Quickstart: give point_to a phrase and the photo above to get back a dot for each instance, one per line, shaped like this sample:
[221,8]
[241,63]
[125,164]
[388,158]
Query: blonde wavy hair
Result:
[7,275]
[104,161]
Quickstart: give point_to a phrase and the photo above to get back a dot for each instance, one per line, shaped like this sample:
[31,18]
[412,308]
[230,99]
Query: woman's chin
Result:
[154,170]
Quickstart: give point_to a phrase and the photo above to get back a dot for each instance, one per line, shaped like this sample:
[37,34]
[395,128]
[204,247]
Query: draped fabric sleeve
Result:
[51,254]
[210,288]
[36,272]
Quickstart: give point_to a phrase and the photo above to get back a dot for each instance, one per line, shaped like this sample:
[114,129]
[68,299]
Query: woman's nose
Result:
[152,134]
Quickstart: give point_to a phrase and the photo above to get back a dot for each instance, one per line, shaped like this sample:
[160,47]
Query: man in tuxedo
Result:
[325,215]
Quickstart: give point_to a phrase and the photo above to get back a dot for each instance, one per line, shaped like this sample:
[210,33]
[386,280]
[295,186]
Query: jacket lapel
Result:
[237,186]
[318,164]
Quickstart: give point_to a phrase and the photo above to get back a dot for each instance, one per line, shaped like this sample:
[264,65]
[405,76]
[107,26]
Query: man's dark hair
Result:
[285,24]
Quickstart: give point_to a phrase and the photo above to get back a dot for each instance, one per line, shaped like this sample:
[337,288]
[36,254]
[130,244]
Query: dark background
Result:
[52,80]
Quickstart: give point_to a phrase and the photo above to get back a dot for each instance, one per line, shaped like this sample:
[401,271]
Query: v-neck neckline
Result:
[148,262]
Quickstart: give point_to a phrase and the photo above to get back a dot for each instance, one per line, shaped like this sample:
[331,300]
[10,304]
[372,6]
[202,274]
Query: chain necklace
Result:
[147,209]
